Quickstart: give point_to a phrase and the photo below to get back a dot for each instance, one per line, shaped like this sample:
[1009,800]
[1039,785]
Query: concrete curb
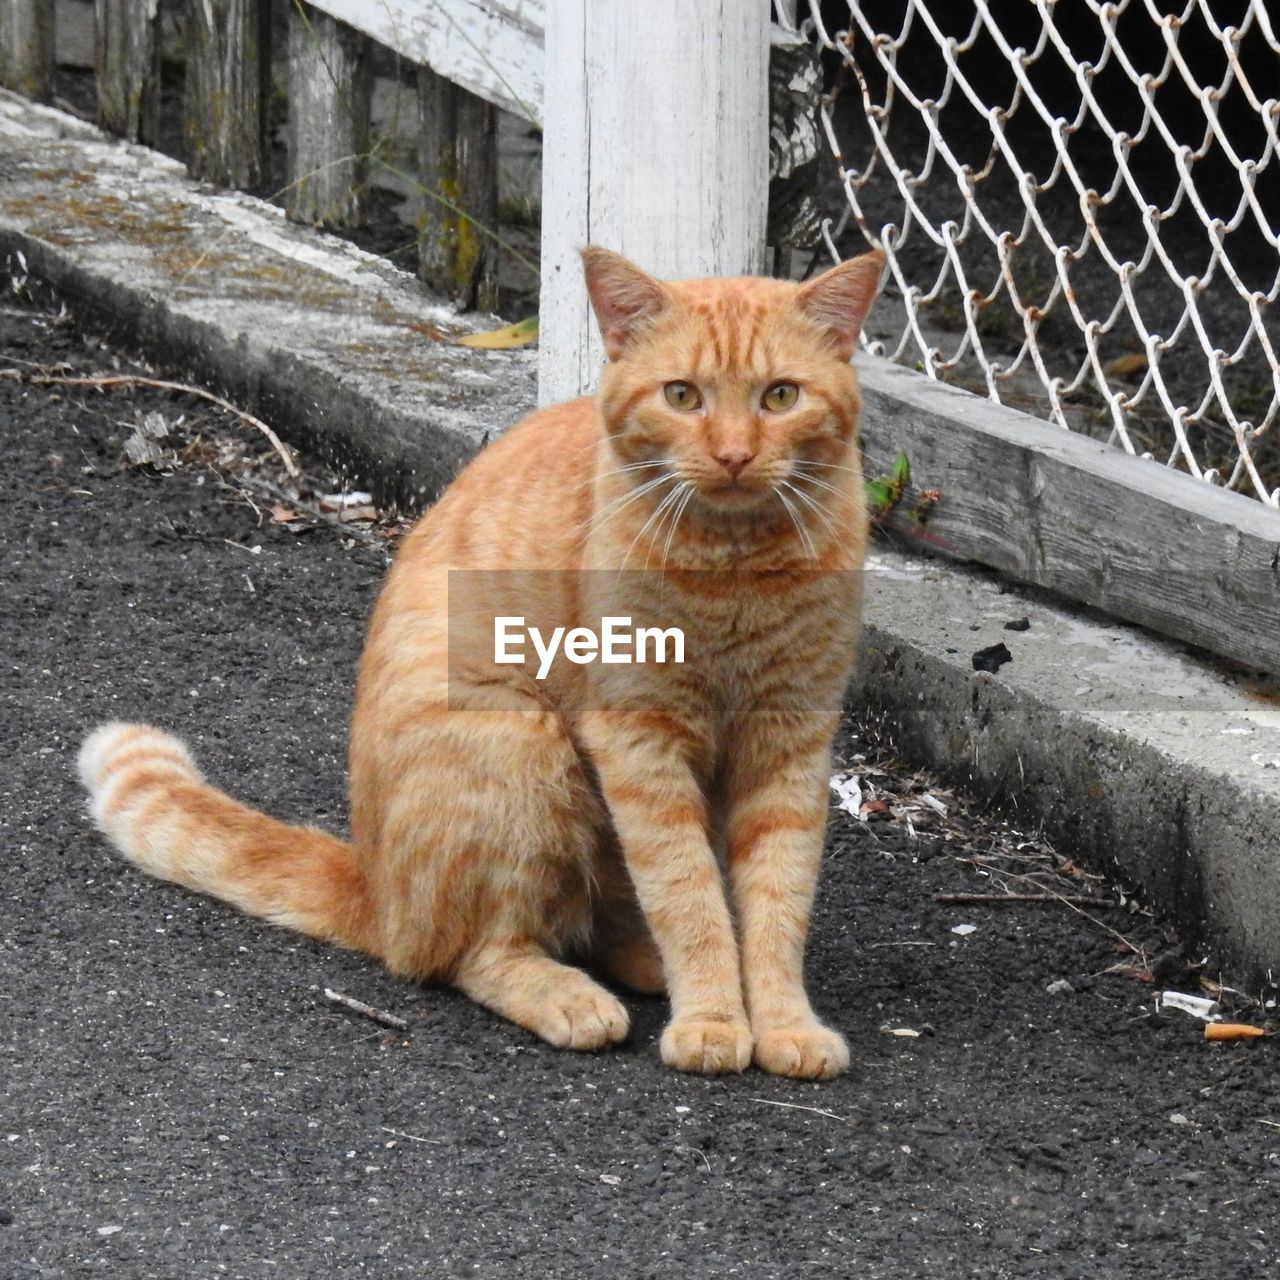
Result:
[332,345]
[1142,758]
[1133,754]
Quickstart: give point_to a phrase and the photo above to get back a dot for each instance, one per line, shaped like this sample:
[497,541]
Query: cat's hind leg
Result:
[553,1000]
[623,948]
[633,961]
[487,832]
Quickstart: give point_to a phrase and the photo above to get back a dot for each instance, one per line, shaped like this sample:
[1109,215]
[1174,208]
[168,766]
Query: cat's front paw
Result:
[808,1051]
[712,1046]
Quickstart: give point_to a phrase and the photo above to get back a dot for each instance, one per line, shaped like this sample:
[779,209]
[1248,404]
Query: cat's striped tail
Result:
[149,799]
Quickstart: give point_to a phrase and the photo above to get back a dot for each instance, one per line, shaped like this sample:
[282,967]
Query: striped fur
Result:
[660,824]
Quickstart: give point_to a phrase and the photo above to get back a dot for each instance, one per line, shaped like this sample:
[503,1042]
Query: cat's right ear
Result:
[623,297]
[839,299]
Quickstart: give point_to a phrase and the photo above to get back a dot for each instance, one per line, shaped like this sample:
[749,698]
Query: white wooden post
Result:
[656,145]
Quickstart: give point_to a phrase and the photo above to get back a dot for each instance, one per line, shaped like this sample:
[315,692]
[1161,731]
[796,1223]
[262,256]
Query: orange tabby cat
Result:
[662,823]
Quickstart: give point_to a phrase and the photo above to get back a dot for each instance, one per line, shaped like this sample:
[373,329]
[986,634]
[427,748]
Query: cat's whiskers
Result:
[826,466]
[815,506]
[689,491]
[668,500]
[627,468]
[800,529]
[820,484]
[618,505]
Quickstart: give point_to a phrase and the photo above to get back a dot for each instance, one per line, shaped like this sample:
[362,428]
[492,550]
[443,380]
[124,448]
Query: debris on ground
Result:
[1197,1006]
[992,658]
[1233,1031]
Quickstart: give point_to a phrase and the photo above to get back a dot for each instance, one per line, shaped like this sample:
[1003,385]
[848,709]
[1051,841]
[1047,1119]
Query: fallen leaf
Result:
[281,514]
[1134,971]
[520,334]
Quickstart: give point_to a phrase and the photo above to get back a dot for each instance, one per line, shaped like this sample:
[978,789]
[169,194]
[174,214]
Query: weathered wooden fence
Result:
[657,141]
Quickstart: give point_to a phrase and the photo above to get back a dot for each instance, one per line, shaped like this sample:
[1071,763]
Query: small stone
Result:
[992,658]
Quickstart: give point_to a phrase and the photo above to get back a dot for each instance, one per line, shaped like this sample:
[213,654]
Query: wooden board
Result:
[1081,518]
[26,47]
[491,47]
[330,80]
[227,93]
[657,146]
[127,57]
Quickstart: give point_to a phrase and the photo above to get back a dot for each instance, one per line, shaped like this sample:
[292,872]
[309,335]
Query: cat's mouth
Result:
[736,494]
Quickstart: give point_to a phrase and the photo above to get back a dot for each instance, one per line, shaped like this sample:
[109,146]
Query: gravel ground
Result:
[179,1098]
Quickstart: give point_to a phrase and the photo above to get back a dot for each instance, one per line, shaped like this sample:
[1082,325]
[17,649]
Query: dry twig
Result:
[105,381]
[1078,899]
[412,1137]
[796,1106]
[359,1006]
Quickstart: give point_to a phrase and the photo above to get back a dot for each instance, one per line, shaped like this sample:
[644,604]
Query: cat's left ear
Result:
[623,297]
[839,299]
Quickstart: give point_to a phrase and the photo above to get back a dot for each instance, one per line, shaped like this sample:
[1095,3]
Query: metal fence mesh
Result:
[1080,205]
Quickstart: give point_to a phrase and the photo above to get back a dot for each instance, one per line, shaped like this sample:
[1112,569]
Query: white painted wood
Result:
[656,145]
[491,47]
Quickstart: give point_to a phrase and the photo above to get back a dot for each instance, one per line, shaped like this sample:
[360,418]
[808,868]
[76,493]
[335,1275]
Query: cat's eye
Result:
[780,396]
[683,396]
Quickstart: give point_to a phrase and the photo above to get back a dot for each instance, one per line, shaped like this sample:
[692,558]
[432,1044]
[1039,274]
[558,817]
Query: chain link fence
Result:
[1080,204]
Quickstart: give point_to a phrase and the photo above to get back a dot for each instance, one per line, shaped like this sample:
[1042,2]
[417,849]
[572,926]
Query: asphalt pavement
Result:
[178,1098]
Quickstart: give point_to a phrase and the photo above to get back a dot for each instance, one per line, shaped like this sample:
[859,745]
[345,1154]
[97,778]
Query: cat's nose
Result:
[734,460]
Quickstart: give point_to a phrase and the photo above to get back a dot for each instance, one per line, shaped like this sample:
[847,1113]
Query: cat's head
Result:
[740,386]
